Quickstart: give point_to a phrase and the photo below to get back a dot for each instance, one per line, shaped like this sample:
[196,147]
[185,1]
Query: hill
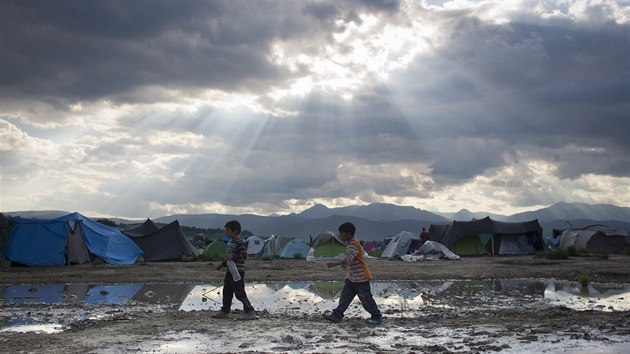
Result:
[376,221]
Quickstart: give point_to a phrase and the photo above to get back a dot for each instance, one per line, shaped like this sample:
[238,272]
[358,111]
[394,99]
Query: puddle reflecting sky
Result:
[397,299]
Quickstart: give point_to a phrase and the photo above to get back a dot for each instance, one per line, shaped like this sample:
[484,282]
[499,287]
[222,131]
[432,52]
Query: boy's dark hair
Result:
[348,227]
[234,226]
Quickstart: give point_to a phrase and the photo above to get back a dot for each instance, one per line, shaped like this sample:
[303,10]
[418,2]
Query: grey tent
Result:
[273,246]
[4,238]
[595,238]
[164,244]
[145,228]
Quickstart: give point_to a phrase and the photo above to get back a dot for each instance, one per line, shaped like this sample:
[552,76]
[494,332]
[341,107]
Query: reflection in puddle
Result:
[396,299]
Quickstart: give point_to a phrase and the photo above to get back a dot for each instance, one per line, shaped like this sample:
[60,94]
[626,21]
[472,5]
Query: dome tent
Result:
[326,246]
[294,249]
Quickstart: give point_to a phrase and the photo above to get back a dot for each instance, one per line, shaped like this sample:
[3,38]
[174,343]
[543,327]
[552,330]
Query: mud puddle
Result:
[50,308]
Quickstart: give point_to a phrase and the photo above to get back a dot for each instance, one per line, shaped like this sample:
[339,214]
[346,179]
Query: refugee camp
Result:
[163,274]
[314,176]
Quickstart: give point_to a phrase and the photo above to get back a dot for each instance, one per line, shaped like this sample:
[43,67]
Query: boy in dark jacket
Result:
[232,285]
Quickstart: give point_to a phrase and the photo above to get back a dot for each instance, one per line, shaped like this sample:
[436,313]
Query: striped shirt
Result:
[357,268]
[238,250]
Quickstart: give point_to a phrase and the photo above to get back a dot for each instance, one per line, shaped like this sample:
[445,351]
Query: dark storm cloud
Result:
[481,98]
[523,86]
[66,51]
[90,50]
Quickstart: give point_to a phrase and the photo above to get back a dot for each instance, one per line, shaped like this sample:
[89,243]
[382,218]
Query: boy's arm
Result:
[338,263]
[351,253]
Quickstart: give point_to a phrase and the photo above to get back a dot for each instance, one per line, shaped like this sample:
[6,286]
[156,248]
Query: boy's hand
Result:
[220,266]
[331,264]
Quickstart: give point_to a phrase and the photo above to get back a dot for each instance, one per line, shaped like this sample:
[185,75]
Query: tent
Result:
[105,242]
[595,238]
[4,238]
[294,249]
[273,246]
[486,236]
[404,243]
[71,238]
[326,246]
[215,251]
[34,242]
[254,244]
[162,244]
[430,250]
[517,237]
[147,227]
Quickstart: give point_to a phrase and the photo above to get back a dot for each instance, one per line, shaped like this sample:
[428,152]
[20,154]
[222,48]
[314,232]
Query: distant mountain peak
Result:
[375,211]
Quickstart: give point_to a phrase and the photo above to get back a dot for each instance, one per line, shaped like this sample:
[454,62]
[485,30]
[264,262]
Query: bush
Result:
[584,279]
[572,251]
[375,253]
[626,251]
[298,256]
[557,254]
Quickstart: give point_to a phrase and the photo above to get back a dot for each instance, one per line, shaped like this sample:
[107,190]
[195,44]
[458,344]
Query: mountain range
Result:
[375,221]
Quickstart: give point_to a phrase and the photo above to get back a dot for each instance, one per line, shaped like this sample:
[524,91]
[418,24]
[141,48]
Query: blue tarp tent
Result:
[106,242]
[35,242]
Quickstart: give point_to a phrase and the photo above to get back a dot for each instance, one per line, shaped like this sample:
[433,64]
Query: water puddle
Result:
[48,308]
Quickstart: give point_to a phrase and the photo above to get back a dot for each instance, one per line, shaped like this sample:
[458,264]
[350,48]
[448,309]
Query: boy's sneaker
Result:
[374,321]
[249,316]
[220,314]
[330,317]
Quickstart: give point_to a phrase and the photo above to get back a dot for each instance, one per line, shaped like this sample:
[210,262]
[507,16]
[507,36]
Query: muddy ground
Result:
[431,328]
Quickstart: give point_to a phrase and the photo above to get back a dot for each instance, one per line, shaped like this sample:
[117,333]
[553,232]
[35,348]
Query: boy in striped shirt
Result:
[358,280]
[236,252]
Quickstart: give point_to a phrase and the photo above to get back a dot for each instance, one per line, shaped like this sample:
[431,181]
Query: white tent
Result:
[430,250]
[404,243]
[254,244]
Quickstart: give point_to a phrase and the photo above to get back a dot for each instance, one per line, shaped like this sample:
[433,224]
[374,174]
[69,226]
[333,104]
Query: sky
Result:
[149,108]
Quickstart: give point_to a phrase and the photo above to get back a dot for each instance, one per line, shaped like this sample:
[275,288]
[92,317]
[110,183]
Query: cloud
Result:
[272,106]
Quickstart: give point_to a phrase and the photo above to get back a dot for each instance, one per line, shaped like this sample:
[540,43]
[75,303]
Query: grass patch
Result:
[375,253]
[557,254]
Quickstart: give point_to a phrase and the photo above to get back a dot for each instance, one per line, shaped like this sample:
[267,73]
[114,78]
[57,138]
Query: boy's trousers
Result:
[232,289]
[364,291]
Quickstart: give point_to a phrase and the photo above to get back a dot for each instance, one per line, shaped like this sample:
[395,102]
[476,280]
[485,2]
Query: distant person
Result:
[358,280]
[234,280]
[424,236]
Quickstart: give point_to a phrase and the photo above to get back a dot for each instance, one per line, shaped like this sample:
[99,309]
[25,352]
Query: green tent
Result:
[215,251]
[469,246]
[326,246]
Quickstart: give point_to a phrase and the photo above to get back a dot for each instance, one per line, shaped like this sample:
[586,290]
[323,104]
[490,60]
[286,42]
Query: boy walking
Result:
[234,280]
[358,280]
